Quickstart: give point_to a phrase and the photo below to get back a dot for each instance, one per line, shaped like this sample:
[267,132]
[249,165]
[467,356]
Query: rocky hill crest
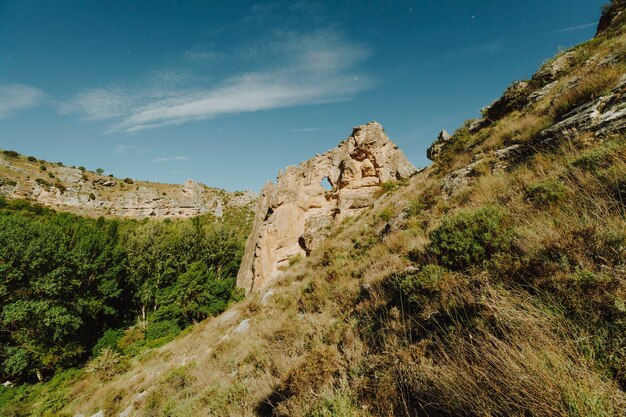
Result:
[88,193]
[294,214]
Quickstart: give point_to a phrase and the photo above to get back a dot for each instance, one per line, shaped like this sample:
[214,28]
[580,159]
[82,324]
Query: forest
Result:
[72,288]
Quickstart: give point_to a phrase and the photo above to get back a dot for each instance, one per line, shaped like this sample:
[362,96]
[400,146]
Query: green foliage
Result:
[592,160]
[42,182]
[128,181]
[11,154]
[50,174]
[162,329]
[82,168]
[32,159]
[100,171]
[544,193]
[65,279]
[389,186]
[471,237]
[9,182]
[42,167]
[109,340]
[92,196]
[420,287]
[107,364]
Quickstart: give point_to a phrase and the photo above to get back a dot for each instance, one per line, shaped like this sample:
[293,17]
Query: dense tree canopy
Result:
[65,280]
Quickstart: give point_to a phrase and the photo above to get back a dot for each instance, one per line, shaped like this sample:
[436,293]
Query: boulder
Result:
[435,149]
[515,97]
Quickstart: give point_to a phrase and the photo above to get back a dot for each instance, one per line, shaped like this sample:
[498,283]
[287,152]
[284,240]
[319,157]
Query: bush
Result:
[11,154]
[545,193]
[420,287]
[50,174]
[92,196]
[32,159]
[109,340]
[42,182]
[592,161]
[60,187]
[82,168]
[11,183]
[471,237]
[161,329]
[389,186]
[42,167]
[128,180]
[100,170]
[108,364]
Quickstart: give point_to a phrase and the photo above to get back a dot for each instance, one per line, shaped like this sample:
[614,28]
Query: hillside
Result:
[492,283]
[92,194]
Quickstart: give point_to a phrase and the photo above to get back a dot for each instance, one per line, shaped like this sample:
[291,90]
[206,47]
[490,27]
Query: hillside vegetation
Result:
[72,286]
[491,284]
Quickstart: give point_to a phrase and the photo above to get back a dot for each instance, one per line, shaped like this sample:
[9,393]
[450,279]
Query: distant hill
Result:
[92,194]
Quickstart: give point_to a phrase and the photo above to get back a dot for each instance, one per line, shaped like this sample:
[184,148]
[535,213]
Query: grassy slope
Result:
[507,299]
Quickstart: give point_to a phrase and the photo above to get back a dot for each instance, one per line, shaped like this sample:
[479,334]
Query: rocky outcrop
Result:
[295,213]
[515,97]
[86,193]
[435,149]
[602,116]
[610,13]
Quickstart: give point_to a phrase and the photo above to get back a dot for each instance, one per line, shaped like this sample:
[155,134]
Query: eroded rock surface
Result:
[70,189]
[294,213]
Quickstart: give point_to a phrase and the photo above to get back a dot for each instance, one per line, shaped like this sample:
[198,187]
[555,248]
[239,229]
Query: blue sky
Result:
[230,92]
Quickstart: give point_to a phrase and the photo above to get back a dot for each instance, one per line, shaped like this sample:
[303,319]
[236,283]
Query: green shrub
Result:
[128,180]
[50,174]
[60,164]
[11,154]
[592,161]
[60,187]
[386,214]
[108,363]
[42,182]
[161,329]
[92,196]
[42,167]
[32,159]
[389,186]
[9,182]
[544,193]
[418,288]
[82,168]
[100,170]
[471,237]
[109,340]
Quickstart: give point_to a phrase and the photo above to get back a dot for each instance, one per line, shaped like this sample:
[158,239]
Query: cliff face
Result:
[91,194]
[293,214]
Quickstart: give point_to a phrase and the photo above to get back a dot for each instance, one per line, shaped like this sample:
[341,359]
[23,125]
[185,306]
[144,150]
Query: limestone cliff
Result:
[91,194]
[293,213]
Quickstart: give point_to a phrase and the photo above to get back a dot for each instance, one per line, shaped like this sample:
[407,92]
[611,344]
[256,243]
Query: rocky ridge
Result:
[91,194]
[294,213]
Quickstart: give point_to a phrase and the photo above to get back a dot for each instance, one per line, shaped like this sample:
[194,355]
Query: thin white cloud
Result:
[298,69]
[124,148]
[101,103]
[16,97]
[573,28]
[307,129]
[171,158]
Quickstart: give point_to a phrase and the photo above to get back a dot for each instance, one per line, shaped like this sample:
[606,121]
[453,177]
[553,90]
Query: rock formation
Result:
[91,194]
[293,214]
[435,149]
